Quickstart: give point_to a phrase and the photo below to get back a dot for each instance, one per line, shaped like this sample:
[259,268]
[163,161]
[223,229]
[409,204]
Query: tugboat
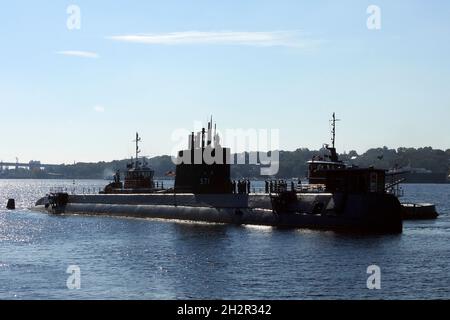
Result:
[350,199]
[319,165]
[138,177]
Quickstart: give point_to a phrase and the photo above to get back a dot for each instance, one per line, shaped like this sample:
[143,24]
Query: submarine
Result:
[338,197]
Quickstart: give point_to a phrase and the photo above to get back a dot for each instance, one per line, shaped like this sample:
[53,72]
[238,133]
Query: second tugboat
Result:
[339,197]
[138,177]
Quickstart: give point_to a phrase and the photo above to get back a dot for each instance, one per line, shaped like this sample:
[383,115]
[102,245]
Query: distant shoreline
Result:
[171,179]
[426,165]
[64,178]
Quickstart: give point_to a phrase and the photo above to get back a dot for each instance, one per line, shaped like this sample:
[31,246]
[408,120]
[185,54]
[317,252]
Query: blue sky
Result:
[252,64]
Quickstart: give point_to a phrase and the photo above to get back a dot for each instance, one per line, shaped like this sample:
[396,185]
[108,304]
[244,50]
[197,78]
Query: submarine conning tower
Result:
[205,166]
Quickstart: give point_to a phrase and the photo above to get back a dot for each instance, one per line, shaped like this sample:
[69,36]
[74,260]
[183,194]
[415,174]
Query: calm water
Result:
[144,259]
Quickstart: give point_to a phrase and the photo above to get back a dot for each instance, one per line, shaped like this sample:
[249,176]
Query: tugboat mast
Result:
[333,130]
[138,139]
[333,157]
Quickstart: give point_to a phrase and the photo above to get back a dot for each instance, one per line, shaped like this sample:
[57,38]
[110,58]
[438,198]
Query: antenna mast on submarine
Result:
[210,127]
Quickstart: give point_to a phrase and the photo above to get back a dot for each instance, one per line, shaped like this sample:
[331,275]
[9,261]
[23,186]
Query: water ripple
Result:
[143,259]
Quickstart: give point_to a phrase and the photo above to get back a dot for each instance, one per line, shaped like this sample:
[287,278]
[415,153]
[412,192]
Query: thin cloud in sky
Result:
[261,39]
[81,54]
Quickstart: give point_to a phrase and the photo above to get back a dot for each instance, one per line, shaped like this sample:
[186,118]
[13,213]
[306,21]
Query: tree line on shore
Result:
[292,164]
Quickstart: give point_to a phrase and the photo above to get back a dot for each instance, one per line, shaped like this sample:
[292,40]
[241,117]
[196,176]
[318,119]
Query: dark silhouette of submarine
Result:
[338,197]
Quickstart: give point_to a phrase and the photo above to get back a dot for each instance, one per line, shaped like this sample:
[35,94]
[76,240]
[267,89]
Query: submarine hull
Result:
[346,212]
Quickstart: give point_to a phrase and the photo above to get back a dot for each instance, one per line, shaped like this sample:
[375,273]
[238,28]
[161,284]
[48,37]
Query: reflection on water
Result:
[144,259]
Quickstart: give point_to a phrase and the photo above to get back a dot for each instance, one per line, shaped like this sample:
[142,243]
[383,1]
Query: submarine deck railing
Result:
[95,189]
[92,190]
